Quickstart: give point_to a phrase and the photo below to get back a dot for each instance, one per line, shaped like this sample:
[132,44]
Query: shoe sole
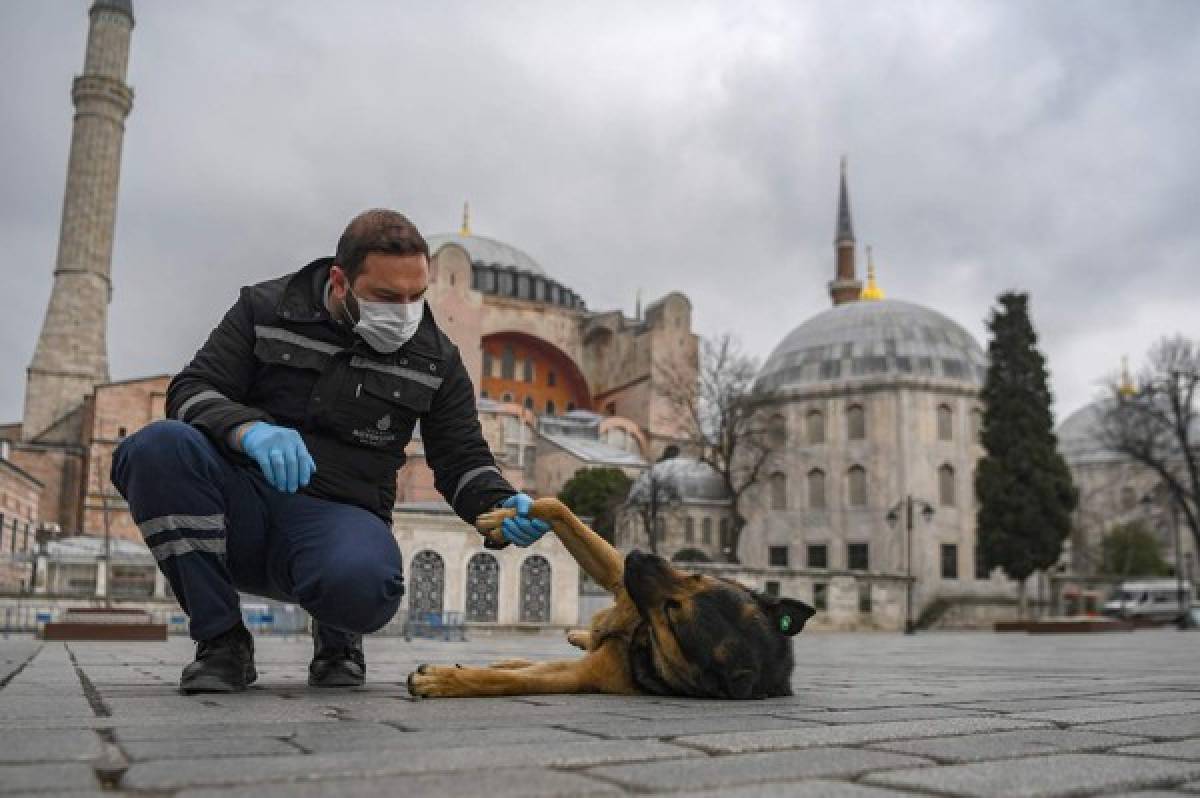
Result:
[341,681]
[213,684]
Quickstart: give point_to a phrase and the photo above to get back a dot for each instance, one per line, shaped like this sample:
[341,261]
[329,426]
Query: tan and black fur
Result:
[667,633]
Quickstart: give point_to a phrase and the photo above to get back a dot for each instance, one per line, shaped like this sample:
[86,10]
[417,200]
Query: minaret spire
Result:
[466,224]
[845,286]
[71,357]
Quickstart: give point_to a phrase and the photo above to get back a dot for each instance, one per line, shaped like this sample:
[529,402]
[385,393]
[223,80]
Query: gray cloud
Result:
[1046,147]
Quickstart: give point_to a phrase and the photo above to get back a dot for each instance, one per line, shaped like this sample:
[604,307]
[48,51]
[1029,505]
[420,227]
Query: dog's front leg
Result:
[595,555]
[545,677]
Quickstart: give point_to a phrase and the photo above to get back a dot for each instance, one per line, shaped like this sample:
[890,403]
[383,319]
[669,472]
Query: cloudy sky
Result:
[1049,147]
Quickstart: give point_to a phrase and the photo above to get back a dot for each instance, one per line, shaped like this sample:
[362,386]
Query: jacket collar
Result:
[303,300]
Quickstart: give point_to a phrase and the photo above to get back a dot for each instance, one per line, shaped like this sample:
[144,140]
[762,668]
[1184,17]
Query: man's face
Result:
[383,278]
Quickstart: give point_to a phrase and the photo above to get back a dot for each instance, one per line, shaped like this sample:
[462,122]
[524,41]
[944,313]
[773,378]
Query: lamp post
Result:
[909,503]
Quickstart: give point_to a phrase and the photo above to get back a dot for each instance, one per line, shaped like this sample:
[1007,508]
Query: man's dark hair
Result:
[377,230]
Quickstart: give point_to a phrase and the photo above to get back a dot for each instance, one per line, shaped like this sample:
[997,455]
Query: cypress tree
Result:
[1024,489]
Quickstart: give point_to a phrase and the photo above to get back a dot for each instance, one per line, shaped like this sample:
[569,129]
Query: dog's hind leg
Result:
[597,672]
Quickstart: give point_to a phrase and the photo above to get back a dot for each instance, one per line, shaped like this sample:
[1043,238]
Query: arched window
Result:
[815,423]
[945,423]
[856,423]
[487,363]
[856,486]
[428,584]
[689,530]
[528,370]
[946,485]
[778,492]
[483,587]
[777,432]
[535,590]
[816,489]
[706,530]
[549,407]
[725,537]
[528,402]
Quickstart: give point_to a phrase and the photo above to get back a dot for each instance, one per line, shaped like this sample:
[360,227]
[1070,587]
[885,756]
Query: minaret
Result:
[465,230]
[72,352]
[845,286]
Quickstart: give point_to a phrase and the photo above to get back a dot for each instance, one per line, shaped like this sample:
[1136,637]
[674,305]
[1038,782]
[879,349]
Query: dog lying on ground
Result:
[667,633]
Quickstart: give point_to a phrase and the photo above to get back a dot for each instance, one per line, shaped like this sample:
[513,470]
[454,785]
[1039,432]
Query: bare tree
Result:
[724,429]
[652,503]
[1156,423]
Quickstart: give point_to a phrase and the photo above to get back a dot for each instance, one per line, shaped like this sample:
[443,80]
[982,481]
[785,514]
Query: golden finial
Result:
[1126,387]
[872,291]
[466,225]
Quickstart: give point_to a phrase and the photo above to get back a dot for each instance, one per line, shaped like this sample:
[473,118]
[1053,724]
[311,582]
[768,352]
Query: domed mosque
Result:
[869,403]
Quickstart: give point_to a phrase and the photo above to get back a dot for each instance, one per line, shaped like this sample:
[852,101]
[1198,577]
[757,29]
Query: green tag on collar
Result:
[785,623]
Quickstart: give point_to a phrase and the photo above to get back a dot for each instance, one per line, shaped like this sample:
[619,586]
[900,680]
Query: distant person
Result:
[276,474]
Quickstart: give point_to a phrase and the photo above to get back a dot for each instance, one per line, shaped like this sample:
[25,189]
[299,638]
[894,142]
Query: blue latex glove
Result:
[281,454]
[521,529]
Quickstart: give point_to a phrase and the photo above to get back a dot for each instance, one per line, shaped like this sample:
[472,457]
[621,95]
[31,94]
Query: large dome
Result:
[1079,437]
[682,478]
[870,339]
[487,251]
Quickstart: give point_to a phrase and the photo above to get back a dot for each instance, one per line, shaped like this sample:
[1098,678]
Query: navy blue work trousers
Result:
[216,527]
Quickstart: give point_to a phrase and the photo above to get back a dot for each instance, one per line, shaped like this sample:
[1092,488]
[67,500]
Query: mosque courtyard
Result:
[874,714]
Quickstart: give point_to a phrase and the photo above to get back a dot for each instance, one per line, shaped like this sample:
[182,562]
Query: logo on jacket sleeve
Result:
[384,423]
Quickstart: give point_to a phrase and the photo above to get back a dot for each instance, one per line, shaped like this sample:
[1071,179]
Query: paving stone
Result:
[727,771]
[1038,704]
[25,746]
[335,740]
[632,728]
[143,750]
[1170,727]
[1042,777]
[1116,712]
[501,783]
[180,773]
[1005,745]
[202,731]
[804,789]
[54,777]
[740,742]
[889,714]
[1184,749]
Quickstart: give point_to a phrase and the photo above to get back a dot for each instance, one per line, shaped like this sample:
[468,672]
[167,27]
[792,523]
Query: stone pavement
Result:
[874,715]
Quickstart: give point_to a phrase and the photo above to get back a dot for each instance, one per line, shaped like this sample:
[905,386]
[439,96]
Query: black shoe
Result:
[224,664]
[338,659]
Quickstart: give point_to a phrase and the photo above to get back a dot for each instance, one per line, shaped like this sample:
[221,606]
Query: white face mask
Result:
[387,326]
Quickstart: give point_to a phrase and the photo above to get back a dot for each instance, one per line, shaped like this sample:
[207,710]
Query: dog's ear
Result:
[787,615]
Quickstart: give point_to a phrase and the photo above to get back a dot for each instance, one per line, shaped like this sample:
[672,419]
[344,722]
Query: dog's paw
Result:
[492,519]
[431,681]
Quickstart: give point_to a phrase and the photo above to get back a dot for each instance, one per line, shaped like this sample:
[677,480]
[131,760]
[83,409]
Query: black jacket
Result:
[277,356]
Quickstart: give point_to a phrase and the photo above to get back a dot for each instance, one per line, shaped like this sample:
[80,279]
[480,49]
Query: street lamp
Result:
[908,503]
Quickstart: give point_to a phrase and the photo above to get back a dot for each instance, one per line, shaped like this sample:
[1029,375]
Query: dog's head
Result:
[709,637]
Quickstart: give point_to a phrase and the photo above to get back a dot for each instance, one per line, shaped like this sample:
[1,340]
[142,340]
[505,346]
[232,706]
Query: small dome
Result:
[487,251]
[680,477]
[873,339]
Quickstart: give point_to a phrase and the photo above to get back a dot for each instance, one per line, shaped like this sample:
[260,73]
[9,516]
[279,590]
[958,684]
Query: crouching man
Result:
[275,473]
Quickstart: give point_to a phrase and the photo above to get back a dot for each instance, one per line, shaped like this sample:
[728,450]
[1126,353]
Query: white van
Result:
[1152,599]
